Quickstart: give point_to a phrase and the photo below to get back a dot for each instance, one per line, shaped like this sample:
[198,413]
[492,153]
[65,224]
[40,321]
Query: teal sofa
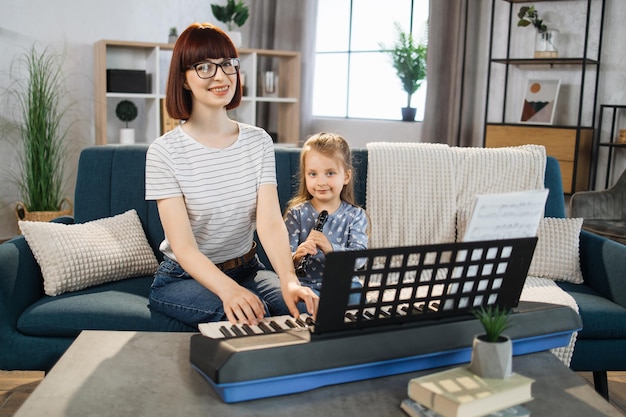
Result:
[36,329]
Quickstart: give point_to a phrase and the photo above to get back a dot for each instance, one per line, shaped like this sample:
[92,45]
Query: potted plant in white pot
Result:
[492,352]
[545,38]
[40,102]
[233,14]
[126,111]
[409,60]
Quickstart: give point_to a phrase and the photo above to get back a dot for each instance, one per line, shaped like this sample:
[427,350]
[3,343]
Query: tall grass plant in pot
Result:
[37,92]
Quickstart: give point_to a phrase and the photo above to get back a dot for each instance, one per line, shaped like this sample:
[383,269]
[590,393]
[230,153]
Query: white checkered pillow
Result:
[556,255]
[77,256]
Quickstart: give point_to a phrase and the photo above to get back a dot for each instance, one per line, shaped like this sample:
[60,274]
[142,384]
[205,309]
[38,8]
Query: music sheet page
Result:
[506,216]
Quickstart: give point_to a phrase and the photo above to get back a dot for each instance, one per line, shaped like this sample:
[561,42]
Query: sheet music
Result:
[506,216]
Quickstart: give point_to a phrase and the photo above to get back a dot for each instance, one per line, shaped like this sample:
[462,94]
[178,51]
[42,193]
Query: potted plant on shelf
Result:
[39,100]
[173,35]
[409,60]
[492,352]
[233,13]
[545,38]
[126,111]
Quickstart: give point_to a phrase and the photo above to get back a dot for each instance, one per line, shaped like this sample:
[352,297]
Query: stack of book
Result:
[458,392]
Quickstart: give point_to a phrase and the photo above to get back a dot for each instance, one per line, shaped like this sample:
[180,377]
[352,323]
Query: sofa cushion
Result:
[602,319]
[121,305]
[77,256]
[557,253]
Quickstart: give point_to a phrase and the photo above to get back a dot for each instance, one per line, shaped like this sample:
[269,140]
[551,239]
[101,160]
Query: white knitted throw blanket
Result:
[411,194]
[422,193]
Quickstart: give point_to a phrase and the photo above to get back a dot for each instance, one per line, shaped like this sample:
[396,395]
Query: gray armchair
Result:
[604,211]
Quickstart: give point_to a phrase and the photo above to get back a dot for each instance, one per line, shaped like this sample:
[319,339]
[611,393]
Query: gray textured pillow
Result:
[557,256]
[77,256]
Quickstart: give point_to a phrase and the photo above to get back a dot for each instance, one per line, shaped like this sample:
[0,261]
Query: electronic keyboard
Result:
[415,312]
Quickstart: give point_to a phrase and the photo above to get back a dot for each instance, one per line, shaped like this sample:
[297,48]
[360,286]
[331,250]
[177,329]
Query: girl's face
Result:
[325,177]
[212,90]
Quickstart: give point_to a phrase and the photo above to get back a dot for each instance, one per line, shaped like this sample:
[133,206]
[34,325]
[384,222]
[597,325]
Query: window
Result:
[353,78]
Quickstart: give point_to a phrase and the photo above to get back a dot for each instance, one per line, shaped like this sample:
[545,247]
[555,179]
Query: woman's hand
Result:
[293,292]
[241,305]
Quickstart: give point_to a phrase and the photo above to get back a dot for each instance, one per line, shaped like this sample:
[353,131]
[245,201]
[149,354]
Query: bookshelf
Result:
[154,59]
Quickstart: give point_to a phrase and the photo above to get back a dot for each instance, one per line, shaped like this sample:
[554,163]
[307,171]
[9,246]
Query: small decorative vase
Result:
[127,136]
[492,359]
[408,114]
[172,38]
[235,36]
[546,44]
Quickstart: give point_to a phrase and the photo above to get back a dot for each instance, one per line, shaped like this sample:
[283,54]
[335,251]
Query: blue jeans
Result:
[176,294]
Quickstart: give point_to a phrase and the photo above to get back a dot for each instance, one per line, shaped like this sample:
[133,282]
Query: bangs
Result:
[207,41]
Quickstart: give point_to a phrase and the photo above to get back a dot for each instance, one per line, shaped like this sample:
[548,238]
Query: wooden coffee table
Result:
[148,374]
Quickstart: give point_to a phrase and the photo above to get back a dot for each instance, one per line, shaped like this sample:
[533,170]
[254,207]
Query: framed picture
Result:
[540,99]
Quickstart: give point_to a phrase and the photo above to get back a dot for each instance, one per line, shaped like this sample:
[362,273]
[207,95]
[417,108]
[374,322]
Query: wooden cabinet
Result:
[570,146]
[282,106]
[570,139]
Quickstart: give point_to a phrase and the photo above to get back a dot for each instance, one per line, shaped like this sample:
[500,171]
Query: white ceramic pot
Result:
[235,36]
[492,359]
[127,136]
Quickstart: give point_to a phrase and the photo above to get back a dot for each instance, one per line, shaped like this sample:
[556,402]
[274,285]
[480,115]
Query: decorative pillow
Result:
[77,256]
[556,255]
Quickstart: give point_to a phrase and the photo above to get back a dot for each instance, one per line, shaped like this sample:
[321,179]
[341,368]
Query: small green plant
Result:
[173,31]
[409,60]
[494,320]
[528,15]
[126,111]
[39,92]
[236,13]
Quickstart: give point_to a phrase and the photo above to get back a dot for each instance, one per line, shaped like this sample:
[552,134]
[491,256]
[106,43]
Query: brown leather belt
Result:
[237,262]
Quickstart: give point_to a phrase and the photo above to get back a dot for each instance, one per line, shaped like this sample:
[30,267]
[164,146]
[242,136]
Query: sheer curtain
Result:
[286,25]
[455,96]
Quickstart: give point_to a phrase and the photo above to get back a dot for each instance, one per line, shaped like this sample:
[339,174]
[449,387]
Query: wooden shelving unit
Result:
[154,58]
[571,144]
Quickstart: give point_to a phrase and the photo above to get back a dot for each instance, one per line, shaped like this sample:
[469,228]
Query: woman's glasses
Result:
[209,69]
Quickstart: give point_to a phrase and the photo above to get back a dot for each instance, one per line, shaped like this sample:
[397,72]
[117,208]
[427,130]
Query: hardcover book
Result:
[457,392]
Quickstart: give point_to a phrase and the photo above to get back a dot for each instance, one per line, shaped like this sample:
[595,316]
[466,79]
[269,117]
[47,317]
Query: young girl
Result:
[214,181]
[326,183]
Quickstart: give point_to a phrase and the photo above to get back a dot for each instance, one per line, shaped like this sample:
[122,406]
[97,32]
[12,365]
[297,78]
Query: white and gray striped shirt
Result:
[220,186]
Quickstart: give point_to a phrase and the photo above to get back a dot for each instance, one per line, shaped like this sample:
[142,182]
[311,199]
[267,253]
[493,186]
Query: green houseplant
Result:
[38,91]
[545,38]
[126,111]
[233,14]
[409,60]
[492,351]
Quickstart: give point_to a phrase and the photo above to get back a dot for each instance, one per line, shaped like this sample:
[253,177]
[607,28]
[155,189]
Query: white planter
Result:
[127,136]
[492,359]
[235,36]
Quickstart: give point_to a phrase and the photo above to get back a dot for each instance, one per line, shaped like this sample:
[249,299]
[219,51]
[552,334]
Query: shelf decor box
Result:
[127,81]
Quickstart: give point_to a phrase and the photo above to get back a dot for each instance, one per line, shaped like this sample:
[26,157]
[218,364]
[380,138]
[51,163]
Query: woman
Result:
[214,181]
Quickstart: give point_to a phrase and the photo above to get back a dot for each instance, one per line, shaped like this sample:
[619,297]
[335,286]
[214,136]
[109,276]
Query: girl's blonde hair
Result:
[330,145]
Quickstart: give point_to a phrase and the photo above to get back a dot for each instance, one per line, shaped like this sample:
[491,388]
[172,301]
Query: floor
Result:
[15,386]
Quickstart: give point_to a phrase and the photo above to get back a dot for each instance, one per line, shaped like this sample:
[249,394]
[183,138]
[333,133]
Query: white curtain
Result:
[286,25]
[456,51]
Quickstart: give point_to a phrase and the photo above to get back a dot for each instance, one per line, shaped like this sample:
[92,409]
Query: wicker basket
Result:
[22,213]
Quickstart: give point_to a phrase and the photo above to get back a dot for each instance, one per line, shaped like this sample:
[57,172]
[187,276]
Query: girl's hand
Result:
[320,240]
[308,247]
[242,306]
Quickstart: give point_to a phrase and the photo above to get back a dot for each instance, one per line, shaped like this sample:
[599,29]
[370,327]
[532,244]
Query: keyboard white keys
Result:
[276,324]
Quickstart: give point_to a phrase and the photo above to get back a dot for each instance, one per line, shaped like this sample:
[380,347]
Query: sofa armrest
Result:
[603,263]
[21,282]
